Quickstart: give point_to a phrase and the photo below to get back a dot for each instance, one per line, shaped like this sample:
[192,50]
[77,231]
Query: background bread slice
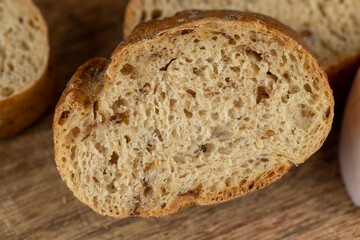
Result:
[330,27]
[25,78]
[195,109]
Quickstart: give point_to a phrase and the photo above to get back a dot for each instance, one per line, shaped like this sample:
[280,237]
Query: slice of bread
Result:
[330,27]
[195,109]
[25,79]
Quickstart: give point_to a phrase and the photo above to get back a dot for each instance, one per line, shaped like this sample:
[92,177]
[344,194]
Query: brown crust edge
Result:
[83,88]
[232,192]
[151,29]
[228,194]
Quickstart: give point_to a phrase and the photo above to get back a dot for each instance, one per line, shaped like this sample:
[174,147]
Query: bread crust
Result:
[20,110]
[151,29]
[85,87]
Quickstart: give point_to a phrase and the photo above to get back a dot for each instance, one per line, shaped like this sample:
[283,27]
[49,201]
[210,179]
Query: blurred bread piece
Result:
[26,84]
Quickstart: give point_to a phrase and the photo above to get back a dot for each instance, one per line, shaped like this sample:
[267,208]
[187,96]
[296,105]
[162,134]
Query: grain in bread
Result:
[25,79]
[330,27]
[195,109]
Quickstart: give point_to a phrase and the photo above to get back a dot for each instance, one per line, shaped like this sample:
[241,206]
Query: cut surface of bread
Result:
[25,82]
[195,109]
[330,27]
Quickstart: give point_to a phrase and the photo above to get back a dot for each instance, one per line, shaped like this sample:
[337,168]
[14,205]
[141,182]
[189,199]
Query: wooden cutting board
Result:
[310,202]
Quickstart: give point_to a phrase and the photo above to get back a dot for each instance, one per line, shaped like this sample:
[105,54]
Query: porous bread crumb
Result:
[199,113]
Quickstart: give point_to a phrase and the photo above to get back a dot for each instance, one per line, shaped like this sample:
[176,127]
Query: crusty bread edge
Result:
[83,88]
[71,98]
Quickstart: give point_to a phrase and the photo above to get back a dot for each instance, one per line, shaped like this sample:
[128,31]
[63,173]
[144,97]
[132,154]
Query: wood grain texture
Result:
[310,202]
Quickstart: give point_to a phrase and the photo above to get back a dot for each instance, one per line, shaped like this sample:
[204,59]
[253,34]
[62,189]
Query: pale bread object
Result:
[26,85]
[192,110]
[330,27]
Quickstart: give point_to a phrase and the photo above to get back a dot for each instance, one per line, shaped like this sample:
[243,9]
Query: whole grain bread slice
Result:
[195,109]
[330,27]
[26,85]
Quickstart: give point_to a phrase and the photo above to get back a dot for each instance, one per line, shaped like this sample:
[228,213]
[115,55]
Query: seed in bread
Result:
[195,109]
[25,80]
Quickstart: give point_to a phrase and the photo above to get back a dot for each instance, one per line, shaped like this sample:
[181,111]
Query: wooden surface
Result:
[310,202]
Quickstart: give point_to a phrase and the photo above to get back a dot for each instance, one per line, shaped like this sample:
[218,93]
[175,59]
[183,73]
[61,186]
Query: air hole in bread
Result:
[327,113]
[148,191]
[75,132]
[119,118]
[186,31]
[294,89]
[235,69]
[155,14]
[127,139]
[188,60]
[73,152]
[63,117]
[307,88]
[197,71]
[114,158]
[191,92]
[262,93]
[232,41]
[252,36]
[111,188]
[188,114]
[273,53]
[11,66]
[272,76]
[238,103]
[25,46]
[316,83]
[127,69]
[268,134]
[157,134]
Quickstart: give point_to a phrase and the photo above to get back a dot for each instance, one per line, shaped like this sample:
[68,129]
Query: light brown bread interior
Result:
[25,82]
[330,27]
[195,109]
